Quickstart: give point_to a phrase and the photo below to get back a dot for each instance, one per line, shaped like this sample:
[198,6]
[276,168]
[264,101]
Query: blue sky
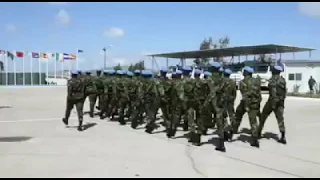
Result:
[135,29]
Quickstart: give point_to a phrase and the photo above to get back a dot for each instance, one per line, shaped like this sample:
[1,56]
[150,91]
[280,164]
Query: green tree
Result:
[118,67]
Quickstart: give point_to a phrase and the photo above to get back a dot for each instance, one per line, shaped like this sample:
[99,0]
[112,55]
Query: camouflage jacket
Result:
[251,91]
[121,88]
[165,87]
[148,92]
[277,88]
[76,89]
[230,89]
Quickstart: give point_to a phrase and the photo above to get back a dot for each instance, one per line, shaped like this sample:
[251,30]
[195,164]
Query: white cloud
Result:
[63,17]
[311,9]
[57,3]
[11,28]
[113,32]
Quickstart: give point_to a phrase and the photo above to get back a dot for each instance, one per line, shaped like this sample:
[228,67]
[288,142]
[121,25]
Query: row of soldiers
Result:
[196,104]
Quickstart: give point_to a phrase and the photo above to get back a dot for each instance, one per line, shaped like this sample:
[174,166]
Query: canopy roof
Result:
[233,51]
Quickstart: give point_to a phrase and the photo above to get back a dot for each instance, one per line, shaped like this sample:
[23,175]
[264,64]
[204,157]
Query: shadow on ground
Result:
[5,107]
[15,139]
[85,126]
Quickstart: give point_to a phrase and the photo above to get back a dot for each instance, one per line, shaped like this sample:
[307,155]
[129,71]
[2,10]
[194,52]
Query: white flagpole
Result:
[6,59]
[55,65]
[39,64]
[48,58]
[14,68]
[23,71]
[77,62]
[62,65]
[31,68]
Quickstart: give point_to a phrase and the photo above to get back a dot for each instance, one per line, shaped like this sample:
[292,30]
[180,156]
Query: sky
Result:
[136,29]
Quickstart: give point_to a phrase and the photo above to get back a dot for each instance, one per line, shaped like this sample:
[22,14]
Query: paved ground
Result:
[35,143]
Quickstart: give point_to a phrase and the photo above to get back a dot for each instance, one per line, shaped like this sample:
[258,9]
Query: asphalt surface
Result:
[35,143]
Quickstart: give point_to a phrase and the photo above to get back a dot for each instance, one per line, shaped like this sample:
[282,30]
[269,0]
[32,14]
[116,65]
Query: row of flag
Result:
[58,56]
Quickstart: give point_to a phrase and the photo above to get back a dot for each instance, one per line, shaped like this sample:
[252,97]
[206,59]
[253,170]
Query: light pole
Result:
[105,56]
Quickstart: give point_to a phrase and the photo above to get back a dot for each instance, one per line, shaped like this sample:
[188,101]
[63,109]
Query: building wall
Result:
[300,74]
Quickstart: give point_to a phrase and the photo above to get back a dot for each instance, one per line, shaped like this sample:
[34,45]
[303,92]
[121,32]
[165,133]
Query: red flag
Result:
[19,54]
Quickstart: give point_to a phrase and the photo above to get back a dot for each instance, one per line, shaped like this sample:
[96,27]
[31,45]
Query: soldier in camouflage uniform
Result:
[97,83]
[205,112]
[186,77]
[150,98]
[75,96]
[164,88]
[216,102]
[136,117]
[230,94]
[131,84]
[275,103]
[108,92]
[121,97]
[90,89]
[250,103]
[175,103]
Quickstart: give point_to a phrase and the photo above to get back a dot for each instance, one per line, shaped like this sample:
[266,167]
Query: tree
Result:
[208,44]
[118,67]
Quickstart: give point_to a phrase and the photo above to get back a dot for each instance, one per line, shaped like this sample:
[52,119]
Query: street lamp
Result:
[105,55]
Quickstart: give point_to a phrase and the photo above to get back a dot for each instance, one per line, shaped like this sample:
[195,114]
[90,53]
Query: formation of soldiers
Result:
[195,104]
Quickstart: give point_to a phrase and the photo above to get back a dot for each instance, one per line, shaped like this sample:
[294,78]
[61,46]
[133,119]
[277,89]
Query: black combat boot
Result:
[283,140]
[122,122]
[221,146]
[226,136]
[196,139]
[149,129]
[98,108]
[191,137]
[65,121]
[185,126]
[255,142]
[91,115]
[134,124]
[80,128]
[231,135]
[205,131]
[259,134]
[173,132]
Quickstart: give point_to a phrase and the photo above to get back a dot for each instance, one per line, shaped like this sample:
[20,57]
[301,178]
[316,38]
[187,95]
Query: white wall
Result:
[306,72]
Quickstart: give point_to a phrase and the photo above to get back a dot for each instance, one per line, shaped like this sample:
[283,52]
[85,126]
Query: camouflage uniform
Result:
[121,97]
[97,83]
[250,103]
[205,112]
[164,88]
[275,103]
[150,100]
[75,96]
[108,81]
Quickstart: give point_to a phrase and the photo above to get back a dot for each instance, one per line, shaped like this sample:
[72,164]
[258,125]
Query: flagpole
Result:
[23,71]
[6,59]
[62,65]
[39,64]
[77,62]
[48,58]
[31,68]
[14,69]
[55,66]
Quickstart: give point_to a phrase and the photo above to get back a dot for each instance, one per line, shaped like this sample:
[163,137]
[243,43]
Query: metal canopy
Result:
[233,51]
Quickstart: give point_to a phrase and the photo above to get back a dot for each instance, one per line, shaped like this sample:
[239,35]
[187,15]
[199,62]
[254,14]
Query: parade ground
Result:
[35,143]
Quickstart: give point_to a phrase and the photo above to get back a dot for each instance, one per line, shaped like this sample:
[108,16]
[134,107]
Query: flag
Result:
[10,55]
[69,56]
[73,57]
[35,55]
[59,57]
[19,54]
[44,55]
[80,51]
[2,52]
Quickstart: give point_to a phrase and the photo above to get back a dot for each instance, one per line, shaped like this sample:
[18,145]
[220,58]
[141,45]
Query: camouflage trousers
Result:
[192,114]
[105,104]
[278,111]
[151,109]
[119,104]
[253,112]
[79,107]
[136,116]
[173,122]
[92,100]
[217,110]
[166,111]
[229,112]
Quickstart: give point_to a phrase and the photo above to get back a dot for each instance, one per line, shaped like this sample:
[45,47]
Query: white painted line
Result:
[33,120]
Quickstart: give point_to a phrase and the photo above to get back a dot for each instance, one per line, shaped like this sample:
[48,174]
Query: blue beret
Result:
[88,72]
[164,69]
[278,68]
[137,71]
[111,71]
[227,71]
[248,69]
[74,72]
[146,73]
[124,71]
[215,64]
[207,73]
[179,72]
[120,72]
[129,73]
[186,68]
[174,73]
[197,71]
[221,69]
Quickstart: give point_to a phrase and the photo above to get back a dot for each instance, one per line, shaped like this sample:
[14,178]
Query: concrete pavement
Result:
[35,143]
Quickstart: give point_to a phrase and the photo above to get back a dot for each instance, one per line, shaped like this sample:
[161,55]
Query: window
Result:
[291,77]
[298,76]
